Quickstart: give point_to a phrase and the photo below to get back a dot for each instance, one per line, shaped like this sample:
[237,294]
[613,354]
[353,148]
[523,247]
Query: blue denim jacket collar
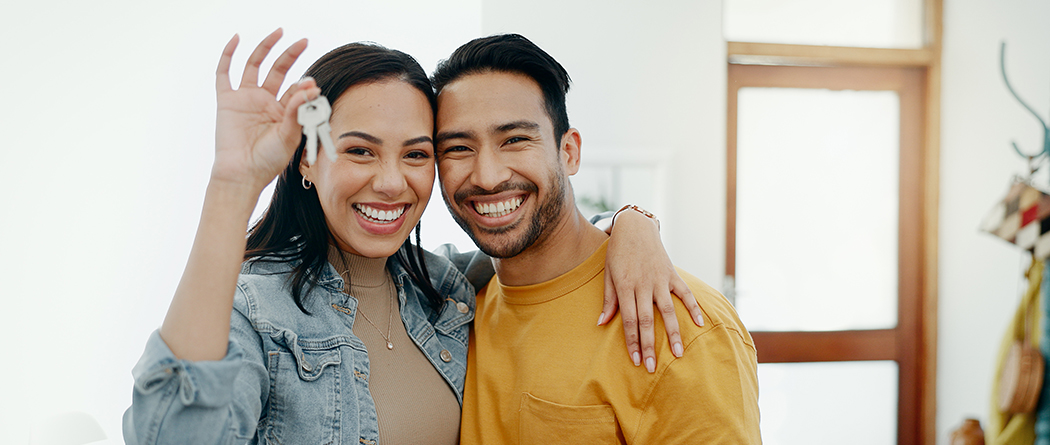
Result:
[448,281]
[446,278]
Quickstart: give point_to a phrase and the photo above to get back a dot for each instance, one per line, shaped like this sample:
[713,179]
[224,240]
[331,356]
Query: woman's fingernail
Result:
[637,358]
[600,318]
[700,320]
[650,365]
[677,348]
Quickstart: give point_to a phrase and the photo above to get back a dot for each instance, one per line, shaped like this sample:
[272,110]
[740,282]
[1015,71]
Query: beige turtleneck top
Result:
[413,402]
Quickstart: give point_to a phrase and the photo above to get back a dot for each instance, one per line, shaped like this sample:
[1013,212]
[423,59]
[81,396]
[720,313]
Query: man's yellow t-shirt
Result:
[540,371]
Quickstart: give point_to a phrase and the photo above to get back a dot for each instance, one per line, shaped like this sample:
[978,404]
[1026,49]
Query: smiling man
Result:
[537,371]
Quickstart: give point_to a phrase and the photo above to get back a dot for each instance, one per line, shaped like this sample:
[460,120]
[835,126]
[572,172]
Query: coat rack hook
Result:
[1046,130]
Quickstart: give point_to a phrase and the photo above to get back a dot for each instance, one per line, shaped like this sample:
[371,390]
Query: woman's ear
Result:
[304,168]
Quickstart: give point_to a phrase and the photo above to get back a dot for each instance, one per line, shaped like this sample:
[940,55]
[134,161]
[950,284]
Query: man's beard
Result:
[546,217]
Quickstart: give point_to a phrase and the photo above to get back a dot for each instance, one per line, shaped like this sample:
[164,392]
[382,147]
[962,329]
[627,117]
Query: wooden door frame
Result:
[909,343]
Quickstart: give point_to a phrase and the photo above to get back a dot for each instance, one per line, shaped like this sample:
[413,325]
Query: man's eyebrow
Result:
[502,128]
[362,135]
[444,135]
[419,140]
[517,125]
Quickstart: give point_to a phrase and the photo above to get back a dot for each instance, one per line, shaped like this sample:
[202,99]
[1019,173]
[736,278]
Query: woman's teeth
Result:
[379,216]
[497,209]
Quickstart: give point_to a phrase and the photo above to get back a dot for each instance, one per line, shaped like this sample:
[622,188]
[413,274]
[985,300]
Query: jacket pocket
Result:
[543,422]
[304,402]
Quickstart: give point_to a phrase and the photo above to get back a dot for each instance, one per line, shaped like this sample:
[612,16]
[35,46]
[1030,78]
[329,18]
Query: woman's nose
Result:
[389,180]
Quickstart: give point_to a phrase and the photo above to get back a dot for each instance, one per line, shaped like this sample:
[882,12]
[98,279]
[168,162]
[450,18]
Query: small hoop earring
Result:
[307,184]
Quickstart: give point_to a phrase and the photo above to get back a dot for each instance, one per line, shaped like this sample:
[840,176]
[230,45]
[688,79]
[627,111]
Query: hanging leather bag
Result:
[1022,373]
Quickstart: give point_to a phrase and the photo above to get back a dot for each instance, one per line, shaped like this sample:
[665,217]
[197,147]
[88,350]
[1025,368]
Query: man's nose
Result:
[490,170]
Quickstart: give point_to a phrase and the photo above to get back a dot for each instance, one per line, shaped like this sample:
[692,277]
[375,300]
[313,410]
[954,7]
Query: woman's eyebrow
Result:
[362,135]
[419,140]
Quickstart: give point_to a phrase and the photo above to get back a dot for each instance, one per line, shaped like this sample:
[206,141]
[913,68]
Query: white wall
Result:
[979,274]
[107,144]
[648,78]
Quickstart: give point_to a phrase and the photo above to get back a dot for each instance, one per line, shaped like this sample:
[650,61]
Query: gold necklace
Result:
[389,325]
[389,312]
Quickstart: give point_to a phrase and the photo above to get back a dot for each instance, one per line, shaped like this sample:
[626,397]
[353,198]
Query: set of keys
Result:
[313,116]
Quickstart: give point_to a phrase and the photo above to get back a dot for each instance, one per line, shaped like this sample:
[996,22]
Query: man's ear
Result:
[570,151]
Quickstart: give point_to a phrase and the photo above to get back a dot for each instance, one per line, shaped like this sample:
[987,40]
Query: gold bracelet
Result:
[647,213]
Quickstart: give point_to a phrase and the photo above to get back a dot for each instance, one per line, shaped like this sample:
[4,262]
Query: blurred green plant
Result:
[600,204]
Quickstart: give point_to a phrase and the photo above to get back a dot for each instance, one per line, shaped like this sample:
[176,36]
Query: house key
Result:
[313,116]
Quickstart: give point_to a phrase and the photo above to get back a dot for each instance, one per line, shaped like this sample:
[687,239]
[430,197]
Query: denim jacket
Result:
[289,377]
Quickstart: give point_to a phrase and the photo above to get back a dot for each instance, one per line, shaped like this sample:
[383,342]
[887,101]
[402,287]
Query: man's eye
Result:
[515,140]
[454,149]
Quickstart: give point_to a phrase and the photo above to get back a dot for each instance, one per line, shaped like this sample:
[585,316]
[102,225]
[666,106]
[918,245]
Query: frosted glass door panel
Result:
[817,209]
[863,23]
[829,403]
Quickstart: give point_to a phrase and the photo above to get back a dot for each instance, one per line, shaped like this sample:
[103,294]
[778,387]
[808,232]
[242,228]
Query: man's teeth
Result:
[497,209]
[382,216]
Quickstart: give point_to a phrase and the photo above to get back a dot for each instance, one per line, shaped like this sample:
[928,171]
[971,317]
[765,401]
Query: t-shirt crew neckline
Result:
[559,286]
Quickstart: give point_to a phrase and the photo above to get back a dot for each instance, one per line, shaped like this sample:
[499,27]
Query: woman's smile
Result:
[380,219]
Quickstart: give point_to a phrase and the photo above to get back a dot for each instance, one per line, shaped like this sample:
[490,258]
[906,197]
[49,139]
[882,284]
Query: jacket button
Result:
[445,355]
[462,307]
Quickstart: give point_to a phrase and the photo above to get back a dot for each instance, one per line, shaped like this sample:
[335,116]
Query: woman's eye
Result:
[358,151]
[418,155]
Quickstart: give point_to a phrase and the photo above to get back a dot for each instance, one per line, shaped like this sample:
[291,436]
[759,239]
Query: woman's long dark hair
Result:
[293,228]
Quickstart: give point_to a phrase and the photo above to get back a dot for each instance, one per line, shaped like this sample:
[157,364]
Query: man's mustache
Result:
[474,190]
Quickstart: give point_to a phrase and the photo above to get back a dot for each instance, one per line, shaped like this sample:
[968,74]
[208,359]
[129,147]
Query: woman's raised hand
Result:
[255,134]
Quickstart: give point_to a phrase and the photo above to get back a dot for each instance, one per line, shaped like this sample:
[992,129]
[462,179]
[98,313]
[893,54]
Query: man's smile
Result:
[498,209]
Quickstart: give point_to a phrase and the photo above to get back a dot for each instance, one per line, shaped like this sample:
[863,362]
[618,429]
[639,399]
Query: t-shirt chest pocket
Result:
[543,422]
[304,394]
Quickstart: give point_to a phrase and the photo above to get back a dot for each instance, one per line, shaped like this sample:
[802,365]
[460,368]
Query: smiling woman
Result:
[275,350]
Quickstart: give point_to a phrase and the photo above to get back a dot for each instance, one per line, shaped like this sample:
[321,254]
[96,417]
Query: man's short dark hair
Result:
[511,53]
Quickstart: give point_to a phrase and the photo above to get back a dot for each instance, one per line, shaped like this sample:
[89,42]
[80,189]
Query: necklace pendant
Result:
[389,345]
